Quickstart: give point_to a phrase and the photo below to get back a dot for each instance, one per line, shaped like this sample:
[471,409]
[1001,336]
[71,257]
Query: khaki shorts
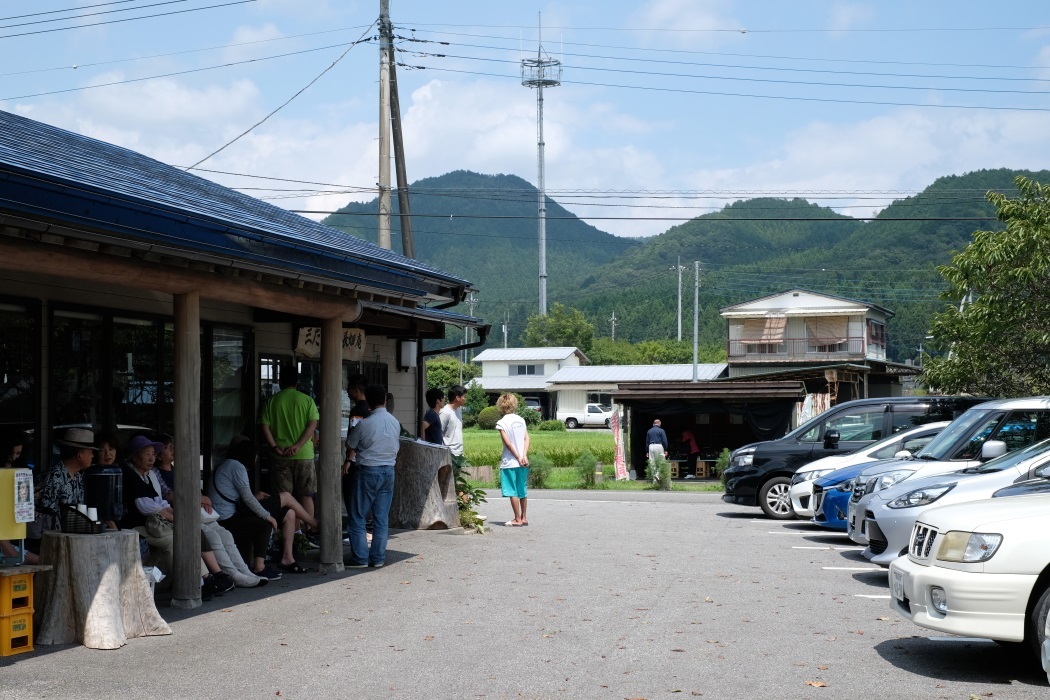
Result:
[296,476]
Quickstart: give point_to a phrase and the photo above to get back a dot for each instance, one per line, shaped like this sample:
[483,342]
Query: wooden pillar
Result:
[186,590]
[329,478]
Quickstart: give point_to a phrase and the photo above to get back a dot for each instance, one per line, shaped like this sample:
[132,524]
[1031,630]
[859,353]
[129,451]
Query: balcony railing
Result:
[789,349]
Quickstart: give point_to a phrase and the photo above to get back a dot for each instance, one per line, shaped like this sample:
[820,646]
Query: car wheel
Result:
[572,423]
[608,423]
[775,500]
[1036,632]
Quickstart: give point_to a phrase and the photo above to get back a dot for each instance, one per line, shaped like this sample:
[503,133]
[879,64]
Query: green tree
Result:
[999,344]
[563,326]
[477,400]
[443,371]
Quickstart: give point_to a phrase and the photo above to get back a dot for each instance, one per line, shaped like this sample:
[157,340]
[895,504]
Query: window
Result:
[19,364]
[526,370]
[863,423]
[593,409]
[876,334]
[827,334]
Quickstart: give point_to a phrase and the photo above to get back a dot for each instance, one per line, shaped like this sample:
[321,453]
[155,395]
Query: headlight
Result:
[921,497]
[968,547]
[801,477]
[846,485]
[884,481]
[744,458]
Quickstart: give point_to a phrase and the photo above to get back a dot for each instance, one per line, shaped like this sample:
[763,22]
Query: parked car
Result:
[891,513]
[593,414]
[760,473]
[983,433]
[831,495]
[534,403]
[910,441]
[979,569]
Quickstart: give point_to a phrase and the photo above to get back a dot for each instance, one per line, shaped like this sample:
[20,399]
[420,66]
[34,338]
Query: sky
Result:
[667,109]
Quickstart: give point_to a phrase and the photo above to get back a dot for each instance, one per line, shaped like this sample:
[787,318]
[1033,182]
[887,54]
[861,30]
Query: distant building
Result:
[525,371]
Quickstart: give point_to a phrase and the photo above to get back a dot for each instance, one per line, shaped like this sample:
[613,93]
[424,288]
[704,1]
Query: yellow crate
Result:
[674,470]
[16,594]
[16,633]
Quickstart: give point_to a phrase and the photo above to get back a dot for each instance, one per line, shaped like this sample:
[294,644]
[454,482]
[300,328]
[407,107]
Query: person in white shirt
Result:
[452,420]
[514,466]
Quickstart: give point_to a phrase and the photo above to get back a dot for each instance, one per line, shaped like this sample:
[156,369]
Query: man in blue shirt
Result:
[373,447]
[656,439]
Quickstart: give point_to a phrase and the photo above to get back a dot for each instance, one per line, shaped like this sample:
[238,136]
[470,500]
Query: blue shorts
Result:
[514,482]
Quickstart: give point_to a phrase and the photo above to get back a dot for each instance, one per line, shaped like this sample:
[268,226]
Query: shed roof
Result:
[528,354]
[740,391]
[50,174]
[610,374]
[520,383]
[801,302]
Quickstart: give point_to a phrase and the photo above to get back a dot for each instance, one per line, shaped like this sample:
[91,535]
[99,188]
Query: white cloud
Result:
[709,19]
[849,15]
[248,36]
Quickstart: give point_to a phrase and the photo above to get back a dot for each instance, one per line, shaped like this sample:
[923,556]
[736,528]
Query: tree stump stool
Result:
[424,488]
[97,592]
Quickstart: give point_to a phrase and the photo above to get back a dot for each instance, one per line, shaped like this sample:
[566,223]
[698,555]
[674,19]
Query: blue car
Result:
[831,494]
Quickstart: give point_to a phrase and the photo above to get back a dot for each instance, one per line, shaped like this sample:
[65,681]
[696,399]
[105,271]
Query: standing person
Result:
[656,439]
[691,448]
[288,422]
[431,428]
[355,389]
[514,467]
[452,423]
[373,444]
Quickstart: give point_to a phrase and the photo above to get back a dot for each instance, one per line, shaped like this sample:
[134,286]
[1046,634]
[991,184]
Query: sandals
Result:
[512,523]
[293,568]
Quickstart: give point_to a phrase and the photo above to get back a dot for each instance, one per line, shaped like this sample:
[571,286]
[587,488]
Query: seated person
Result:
[251,517]
[11,444]
[64,484]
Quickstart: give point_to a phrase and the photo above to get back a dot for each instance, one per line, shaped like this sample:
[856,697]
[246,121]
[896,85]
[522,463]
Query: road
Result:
[605,595]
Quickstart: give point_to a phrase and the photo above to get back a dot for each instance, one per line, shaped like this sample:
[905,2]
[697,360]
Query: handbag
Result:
[157,527]
[207,517]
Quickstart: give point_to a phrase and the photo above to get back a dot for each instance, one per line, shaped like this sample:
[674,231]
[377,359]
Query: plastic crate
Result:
[16,633]
[16,594]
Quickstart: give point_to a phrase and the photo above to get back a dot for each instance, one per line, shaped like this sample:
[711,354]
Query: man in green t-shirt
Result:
[289,420]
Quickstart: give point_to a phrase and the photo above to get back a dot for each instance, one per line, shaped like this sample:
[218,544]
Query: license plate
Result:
[897,585]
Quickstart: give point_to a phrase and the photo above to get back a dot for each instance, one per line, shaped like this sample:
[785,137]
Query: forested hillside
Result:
[748,249]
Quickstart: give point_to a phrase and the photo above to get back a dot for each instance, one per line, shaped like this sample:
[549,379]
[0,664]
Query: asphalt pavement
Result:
[604,595]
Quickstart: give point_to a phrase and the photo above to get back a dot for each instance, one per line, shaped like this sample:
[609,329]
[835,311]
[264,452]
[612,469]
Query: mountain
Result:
[748,249]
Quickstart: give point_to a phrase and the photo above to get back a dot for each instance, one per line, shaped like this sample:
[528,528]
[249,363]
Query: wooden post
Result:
[186,589]
[329,481]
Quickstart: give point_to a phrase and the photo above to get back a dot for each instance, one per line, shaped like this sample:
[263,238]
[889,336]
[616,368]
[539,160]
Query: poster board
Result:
[308,343]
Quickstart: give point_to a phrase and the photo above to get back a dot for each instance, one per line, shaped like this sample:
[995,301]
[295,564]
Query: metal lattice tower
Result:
[540,72]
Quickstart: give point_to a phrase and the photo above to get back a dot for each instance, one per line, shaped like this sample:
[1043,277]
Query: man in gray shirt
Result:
[373,446]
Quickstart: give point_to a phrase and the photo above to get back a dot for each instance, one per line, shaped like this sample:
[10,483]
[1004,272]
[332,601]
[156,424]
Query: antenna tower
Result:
[540,72]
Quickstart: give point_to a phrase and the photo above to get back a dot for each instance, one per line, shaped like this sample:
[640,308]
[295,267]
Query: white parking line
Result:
[837,549]
[853,568]
[872,597]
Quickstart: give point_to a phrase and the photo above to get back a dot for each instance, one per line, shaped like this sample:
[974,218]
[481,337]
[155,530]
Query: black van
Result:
[760,474]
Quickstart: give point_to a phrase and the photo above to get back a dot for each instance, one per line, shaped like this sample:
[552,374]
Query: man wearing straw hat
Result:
[64,484]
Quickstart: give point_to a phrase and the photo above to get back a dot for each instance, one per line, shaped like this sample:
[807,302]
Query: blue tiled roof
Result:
[59,176]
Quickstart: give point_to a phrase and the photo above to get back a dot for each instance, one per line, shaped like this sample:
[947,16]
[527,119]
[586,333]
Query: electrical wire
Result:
[126,19]
[91,14]
[284,104]
[736,30]
[491,217]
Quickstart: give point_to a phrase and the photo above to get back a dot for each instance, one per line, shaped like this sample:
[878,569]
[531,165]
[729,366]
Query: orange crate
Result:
[16,594]
[16,633]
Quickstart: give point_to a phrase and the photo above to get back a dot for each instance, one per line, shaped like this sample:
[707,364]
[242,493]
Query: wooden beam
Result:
[330,472]
[186,590]
[53,261]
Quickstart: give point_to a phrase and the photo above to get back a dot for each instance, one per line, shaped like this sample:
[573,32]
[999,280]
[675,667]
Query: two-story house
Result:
[837,346]
[525,371]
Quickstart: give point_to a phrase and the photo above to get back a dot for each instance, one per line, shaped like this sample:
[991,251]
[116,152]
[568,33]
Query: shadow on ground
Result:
[963,661]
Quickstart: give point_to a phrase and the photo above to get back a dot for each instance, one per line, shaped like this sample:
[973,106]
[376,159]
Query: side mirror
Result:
[831,439]
[992,449]
[903,454]
[1042,472]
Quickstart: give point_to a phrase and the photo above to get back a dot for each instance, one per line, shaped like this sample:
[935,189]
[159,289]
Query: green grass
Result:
[484,448]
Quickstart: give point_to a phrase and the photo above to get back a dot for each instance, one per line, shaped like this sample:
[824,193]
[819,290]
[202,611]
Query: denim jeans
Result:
[373,492]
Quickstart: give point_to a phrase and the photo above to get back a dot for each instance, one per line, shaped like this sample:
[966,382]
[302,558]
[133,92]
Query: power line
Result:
[655,218]
[88,14]
[739,30]
[72,9]
[126,19]
[283,104]
[748,95]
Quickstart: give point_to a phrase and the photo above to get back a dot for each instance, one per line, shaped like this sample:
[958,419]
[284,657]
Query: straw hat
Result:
[78,437]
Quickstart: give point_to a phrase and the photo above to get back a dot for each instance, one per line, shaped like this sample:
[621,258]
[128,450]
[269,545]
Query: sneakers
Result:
[376,566]
[208,588]
[223,582]
[356,565]
[268,573]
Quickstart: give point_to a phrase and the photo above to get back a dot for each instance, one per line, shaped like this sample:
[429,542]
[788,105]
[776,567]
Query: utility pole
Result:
[613,322]
[384,124]
[680,268]
[541,72]
[404,210]
[696,322]
[506,324]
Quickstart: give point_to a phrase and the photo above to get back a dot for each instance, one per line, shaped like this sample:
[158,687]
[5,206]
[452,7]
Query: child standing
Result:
[514,467]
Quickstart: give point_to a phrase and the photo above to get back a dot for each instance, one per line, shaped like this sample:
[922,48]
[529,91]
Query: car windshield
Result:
[942,445]
[1011,459]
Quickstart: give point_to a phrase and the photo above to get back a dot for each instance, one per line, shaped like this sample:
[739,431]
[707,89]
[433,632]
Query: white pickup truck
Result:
[593,414]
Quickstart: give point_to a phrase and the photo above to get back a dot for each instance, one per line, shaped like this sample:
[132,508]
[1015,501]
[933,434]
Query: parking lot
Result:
[605,595]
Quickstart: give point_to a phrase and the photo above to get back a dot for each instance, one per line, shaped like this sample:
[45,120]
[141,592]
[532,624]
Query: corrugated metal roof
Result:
[55,175]
[526,354]
[636,373]
[513,383]
[741,391]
